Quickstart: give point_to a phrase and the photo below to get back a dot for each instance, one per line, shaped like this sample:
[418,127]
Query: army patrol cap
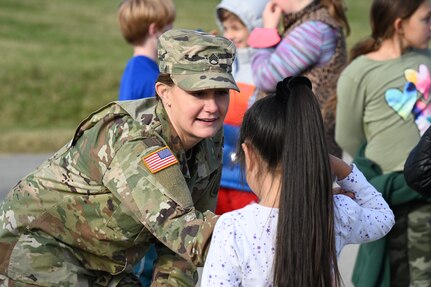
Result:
[196,60]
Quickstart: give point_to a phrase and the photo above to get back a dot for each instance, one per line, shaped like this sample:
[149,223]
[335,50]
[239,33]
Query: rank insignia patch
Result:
[159,159]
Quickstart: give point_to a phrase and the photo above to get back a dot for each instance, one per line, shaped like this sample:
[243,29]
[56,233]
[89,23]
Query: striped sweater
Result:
[312,43]
[314,46]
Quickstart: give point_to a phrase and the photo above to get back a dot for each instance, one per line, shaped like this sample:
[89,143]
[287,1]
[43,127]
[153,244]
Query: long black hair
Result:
[286,130]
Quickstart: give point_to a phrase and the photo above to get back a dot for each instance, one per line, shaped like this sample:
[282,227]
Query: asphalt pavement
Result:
[16,166]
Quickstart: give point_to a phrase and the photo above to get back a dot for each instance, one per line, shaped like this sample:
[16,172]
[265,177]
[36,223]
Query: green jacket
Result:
[372,266]
[91,211]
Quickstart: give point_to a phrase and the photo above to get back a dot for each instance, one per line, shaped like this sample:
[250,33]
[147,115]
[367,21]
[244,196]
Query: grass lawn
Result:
[60,60]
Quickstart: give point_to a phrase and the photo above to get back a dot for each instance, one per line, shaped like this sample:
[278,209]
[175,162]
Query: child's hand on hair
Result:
[339,168]
[271,15]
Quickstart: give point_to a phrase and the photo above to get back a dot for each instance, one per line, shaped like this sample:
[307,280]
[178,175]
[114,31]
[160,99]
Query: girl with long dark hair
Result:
[293,236]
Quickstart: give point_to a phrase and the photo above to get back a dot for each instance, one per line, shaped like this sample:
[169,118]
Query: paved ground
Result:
[14,167]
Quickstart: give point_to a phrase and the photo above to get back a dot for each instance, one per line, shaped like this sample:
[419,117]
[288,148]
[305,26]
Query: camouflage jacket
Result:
[94,207]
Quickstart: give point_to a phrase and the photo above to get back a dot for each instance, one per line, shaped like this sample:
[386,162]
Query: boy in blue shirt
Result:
[141,23]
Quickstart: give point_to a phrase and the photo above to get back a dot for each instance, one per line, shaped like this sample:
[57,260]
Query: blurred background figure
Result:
[312,44]
[141,23]
[236,20]
[382,111]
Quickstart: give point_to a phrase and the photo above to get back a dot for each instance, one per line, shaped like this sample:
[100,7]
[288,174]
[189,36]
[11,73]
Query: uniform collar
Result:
[203,152]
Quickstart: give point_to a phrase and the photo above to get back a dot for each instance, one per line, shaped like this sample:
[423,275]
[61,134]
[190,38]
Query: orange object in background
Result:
[238,104]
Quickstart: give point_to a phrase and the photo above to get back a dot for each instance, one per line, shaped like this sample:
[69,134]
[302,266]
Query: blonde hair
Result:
[135,17]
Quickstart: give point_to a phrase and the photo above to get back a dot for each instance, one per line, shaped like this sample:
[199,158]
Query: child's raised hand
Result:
[271,15]
[339,168]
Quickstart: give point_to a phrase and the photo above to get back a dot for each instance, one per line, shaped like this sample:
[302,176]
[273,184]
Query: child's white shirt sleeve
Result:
[222,265]
[365,218]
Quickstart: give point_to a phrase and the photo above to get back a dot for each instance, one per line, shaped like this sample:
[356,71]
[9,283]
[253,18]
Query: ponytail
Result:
[305,231]
[363,47]
[337,9]
[286,129]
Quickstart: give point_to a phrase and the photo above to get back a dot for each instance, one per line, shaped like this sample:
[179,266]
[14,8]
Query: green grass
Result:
[358,16]
[60,60]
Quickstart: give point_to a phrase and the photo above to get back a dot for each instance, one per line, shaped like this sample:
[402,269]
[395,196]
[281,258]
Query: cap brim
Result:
[205,81]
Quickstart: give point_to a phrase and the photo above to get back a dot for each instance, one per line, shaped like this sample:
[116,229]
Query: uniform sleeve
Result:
[222,267]
[364,219]
[349,128]
[161,201]
[172,270]
[298,50]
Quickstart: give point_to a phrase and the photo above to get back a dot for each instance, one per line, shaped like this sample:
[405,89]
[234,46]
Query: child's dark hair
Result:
[383,14]
[286,130]
[224,14]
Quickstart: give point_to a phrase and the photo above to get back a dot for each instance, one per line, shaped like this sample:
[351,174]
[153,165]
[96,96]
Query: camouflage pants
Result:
[410,246]
[172,271]
[419,246]
[56,265]
[109,281]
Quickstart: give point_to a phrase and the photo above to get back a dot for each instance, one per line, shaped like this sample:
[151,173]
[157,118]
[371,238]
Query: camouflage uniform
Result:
[410,249]
[196,72]
[419,245]
[89,213]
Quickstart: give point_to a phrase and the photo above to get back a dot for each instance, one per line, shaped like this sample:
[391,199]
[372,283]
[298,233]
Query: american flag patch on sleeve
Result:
[159,159]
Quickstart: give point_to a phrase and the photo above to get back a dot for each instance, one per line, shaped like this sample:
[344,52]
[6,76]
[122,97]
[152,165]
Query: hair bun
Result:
[285,87]
[297,81]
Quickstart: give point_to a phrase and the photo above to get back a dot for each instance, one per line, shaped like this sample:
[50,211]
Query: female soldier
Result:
[134,173]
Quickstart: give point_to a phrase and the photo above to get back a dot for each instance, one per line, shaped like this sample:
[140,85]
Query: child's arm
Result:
[302,48]
[222,265]
[339,167]
[365,218]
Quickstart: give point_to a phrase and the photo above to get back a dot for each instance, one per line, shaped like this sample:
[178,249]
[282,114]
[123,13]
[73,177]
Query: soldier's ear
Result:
[164,92]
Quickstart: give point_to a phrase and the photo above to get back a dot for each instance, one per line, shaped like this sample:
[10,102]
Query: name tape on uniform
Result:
[159,159]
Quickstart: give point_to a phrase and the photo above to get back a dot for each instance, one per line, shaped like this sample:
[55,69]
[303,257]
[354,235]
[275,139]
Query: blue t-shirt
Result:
[138,79]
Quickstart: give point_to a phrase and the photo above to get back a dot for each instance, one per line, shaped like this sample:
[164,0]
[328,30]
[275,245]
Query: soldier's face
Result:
[196,115]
